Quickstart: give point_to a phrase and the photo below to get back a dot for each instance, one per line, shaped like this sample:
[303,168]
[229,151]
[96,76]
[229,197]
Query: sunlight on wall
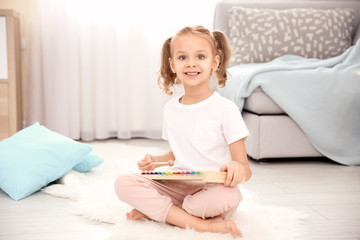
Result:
[105,56]
[151,15]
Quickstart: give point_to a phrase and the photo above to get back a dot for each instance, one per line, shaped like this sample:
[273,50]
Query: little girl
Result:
[205,132]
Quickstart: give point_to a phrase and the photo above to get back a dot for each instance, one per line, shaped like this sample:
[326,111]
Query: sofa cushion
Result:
[357,35]
[260,103]
[260,35]
[276,136]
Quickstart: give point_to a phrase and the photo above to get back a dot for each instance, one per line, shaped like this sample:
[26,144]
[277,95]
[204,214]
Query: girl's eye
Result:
[201,56]
[182,57]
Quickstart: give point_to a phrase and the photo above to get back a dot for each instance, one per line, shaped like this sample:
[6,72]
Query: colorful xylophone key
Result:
[186,175]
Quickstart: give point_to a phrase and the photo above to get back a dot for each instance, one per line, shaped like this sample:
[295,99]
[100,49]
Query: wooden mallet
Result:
[160,164]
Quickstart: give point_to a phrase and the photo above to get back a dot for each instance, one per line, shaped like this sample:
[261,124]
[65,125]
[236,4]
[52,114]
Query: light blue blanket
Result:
[322,96]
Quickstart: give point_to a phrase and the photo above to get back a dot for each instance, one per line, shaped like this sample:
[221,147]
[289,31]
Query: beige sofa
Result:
[273,133]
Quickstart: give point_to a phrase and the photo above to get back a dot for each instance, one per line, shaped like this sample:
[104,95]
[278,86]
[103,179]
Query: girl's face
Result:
[193,60]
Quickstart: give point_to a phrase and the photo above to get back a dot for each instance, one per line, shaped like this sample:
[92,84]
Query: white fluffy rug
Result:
[95,199]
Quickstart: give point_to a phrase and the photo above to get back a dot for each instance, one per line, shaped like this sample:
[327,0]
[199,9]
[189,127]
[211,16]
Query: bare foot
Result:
[136,215]
[179,217]
[223,226]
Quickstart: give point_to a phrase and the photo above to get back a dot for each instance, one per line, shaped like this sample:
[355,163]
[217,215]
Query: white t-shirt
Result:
[200,134]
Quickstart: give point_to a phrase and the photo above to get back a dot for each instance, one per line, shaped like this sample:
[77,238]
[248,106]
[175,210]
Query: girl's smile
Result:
[192,73]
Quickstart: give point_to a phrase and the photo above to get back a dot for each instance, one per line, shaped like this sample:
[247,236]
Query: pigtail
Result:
[166,78]
[223,49]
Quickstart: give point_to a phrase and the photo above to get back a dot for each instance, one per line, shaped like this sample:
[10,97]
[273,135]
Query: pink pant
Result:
[155,198]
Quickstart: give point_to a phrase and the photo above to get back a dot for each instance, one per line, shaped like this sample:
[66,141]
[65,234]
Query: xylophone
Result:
[204,176]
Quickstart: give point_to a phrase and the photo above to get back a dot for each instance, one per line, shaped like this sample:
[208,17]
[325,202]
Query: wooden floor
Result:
[329,193]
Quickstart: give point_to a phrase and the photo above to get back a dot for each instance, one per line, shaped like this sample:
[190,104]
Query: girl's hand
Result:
[235,173]
[145,164]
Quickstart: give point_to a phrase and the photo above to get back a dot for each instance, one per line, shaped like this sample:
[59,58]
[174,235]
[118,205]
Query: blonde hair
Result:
[219,43]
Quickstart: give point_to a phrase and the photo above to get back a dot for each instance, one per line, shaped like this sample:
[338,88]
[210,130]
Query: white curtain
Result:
[94,63]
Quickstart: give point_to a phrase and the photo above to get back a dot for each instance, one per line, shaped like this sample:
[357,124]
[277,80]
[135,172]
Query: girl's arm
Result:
[145,164]
[164,157]
[238,169]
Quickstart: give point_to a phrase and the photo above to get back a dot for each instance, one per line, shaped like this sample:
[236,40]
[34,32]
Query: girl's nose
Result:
[191,62]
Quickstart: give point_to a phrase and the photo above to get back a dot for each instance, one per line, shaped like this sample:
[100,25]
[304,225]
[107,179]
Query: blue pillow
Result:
[36,156]
[91,160]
